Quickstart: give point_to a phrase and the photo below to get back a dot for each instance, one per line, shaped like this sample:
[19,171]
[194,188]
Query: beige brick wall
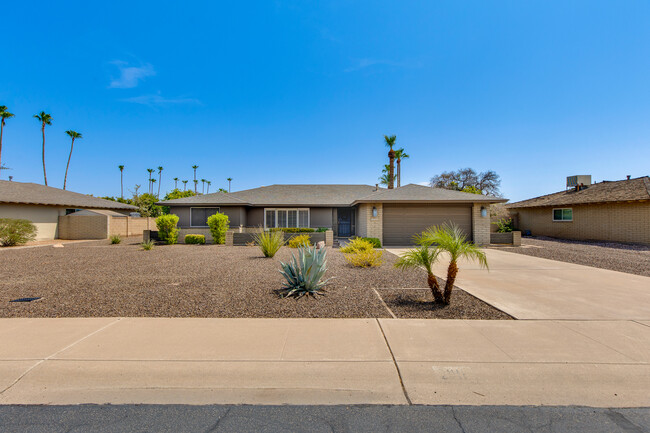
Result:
[128,226]
[616,222]
[367,225]
[196,231]
[480,224]
[83,227]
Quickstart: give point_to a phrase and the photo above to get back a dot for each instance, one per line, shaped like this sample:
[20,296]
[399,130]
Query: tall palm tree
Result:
[229,180]
[390,142]
[203,186]
[153,185]
[399,156]
[45,119]
[184,184]
[194,167]
[160,169]
[209,183]
[423,257]
[175,183]
[74,135]
[150,170]
[450,239]
[121,167]
[196,183]
[384,179]
[4,115]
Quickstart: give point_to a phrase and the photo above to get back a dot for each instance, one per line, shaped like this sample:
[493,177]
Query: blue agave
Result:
[304,274]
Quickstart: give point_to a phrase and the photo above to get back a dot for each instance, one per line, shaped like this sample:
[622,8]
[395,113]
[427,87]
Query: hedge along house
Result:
[393,216]
[615,211]
[47,207]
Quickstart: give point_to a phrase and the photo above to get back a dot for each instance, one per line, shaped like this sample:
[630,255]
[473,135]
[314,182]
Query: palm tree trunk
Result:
[65,178]
[44,173]
[2,127]
[159,182]
[399,172]
[435,289]
[121,185]
[452,271]
[391,171]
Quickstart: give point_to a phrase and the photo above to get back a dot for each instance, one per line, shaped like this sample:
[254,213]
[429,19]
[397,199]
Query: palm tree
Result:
[45,119]
[423,257]
[160,169]
[229,180]
[450,239]
[390,142]
[209,183]
[196,182]
[150,170]
[399,156]
[153,185]
[175,183]
[74,135]
[203,186]
[4,115]
[121,167]
[184,184]
[195,167]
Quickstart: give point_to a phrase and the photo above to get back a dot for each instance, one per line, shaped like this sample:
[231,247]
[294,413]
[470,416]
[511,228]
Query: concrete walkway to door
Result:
[534,288]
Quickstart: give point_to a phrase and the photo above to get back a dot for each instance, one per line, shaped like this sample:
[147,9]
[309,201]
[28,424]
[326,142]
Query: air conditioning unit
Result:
[581,179]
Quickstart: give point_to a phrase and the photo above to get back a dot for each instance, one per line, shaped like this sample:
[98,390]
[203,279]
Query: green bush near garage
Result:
[195,239]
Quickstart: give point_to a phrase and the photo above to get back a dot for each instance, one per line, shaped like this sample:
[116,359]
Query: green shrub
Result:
[322,229]
[356,245]
[374,241]
[365,259]
[116,239]
[16,231]
[218,224]
[269,242]
[304,276]
[195,239]
[293,229]
[167,231]
[505,225]
[298,241]
[148,245]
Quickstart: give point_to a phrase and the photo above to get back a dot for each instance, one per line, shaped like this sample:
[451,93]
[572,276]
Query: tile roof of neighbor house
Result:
[605,192]
[32,193]
[330,195]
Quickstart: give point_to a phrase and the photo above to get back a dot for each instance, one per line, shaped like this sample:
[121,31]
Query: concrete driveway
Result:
[534,288]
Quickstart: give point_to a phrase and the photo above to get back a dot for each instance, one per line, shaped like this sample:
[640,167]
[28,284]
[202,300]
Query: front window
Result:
[565,214]
[286,218]
[199,215]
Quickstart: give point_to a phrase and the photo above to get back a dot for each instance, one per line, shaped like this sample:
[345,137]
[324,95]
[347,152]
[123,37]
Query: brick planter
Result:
[512,238]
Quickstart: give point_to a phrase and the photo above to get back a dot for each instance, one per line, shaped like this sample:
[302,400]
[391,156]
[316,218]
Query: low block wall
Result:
[130,226]
[511,238]
[74,227]
[244,238]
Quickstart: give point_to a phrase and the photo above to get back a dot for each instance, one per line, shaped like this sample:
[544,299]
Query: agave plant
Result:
[304,275]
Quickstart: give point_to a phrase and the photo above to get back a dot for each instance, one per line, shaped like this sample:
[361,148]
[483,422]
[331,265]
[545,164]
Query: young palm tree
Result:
[4,115]
[74,135]
[229,180]
[184,184]
[194,167]
[121,167]
[399,156]
[423,257]
[450,239]
[175,183]
[390,142]
[208,183]
[160,169]
[45,119]
[203,186]
[150,170]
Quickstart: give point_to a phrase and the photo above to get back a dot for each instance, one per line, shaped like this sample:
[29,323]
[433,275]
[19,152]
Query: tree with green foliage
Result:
[150,171]
[423,257]
[203,186]
[146,204]
[184,184]
[75,136]
[468,180]
[121,167]
[167,230]
[218,224]
[229,181]
[4,115]
[175,183]
[45,120]
[160,170]
[173,195]
[390,142]
[384,179]
[194,167]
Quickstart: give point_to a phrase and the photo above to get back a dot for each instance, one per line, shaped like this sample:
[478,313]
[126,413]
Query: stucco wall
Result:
[236,214]
[618,222]
[45,218]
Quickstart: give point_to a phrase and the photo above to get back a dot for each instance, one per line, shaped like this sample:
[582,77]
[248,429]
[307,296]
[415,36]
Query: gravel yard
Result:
[95,279]
[633,259]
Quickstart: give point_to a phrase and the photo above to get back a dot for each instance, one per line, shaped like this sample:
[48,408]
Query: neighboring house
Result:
[44,205]
[617,211]
[393,216]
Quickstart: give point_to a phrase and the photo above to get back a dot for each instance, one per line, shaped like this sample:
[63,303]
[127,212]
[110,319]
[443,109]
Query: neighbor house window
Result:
[286,218]
[199,215]
[565,214]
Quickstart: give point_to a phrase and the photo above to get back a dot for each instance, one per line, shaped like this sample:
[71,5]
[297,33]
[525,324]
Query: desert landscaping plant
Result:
[361,253]
[451,240]
[304,275]
[16,232]
[195,239]
[504,225]
[269,242]
[115,239]
[147,245]
[423,257]
[218,224]
[167,231]
[299,241]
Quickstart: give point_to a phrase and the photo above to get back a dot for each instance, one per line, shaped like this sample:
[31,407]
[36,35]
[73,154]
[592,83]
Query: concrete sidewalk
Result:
[324,361]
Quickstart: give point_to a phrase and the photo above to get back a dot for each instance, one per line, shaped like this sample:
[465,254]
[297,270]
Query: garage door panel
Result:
[401,222]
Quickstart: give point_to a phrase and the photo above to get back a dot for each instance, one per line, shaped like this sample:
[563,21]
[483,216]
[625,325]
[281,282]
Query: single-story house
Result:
[392,215]
[616,211]
[47,207]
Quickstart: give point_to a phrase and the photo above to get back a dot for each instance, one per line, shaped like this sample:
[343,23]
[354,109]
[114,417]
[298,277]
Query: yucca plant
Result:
[304,275]
[269,242]
[116,239]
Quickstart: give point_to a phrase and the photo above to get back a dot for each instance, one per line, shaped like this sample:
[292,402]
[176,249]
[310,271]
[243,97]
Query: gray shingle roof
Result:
[330,195]
[604,192]
[32,193]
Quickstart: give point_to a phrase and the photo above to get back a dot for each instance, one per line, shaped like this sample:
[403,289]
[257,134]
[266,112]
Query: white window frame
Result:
[202,207]
[562,209]
[297,209]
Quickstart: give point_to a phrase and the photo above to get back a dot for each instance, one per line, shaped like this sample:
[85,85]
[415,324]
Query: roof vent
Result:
[578,180]
[629,177]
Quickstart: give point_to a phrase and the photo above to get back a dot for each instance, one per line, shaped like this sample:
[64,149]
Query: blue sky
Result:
[302,92]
